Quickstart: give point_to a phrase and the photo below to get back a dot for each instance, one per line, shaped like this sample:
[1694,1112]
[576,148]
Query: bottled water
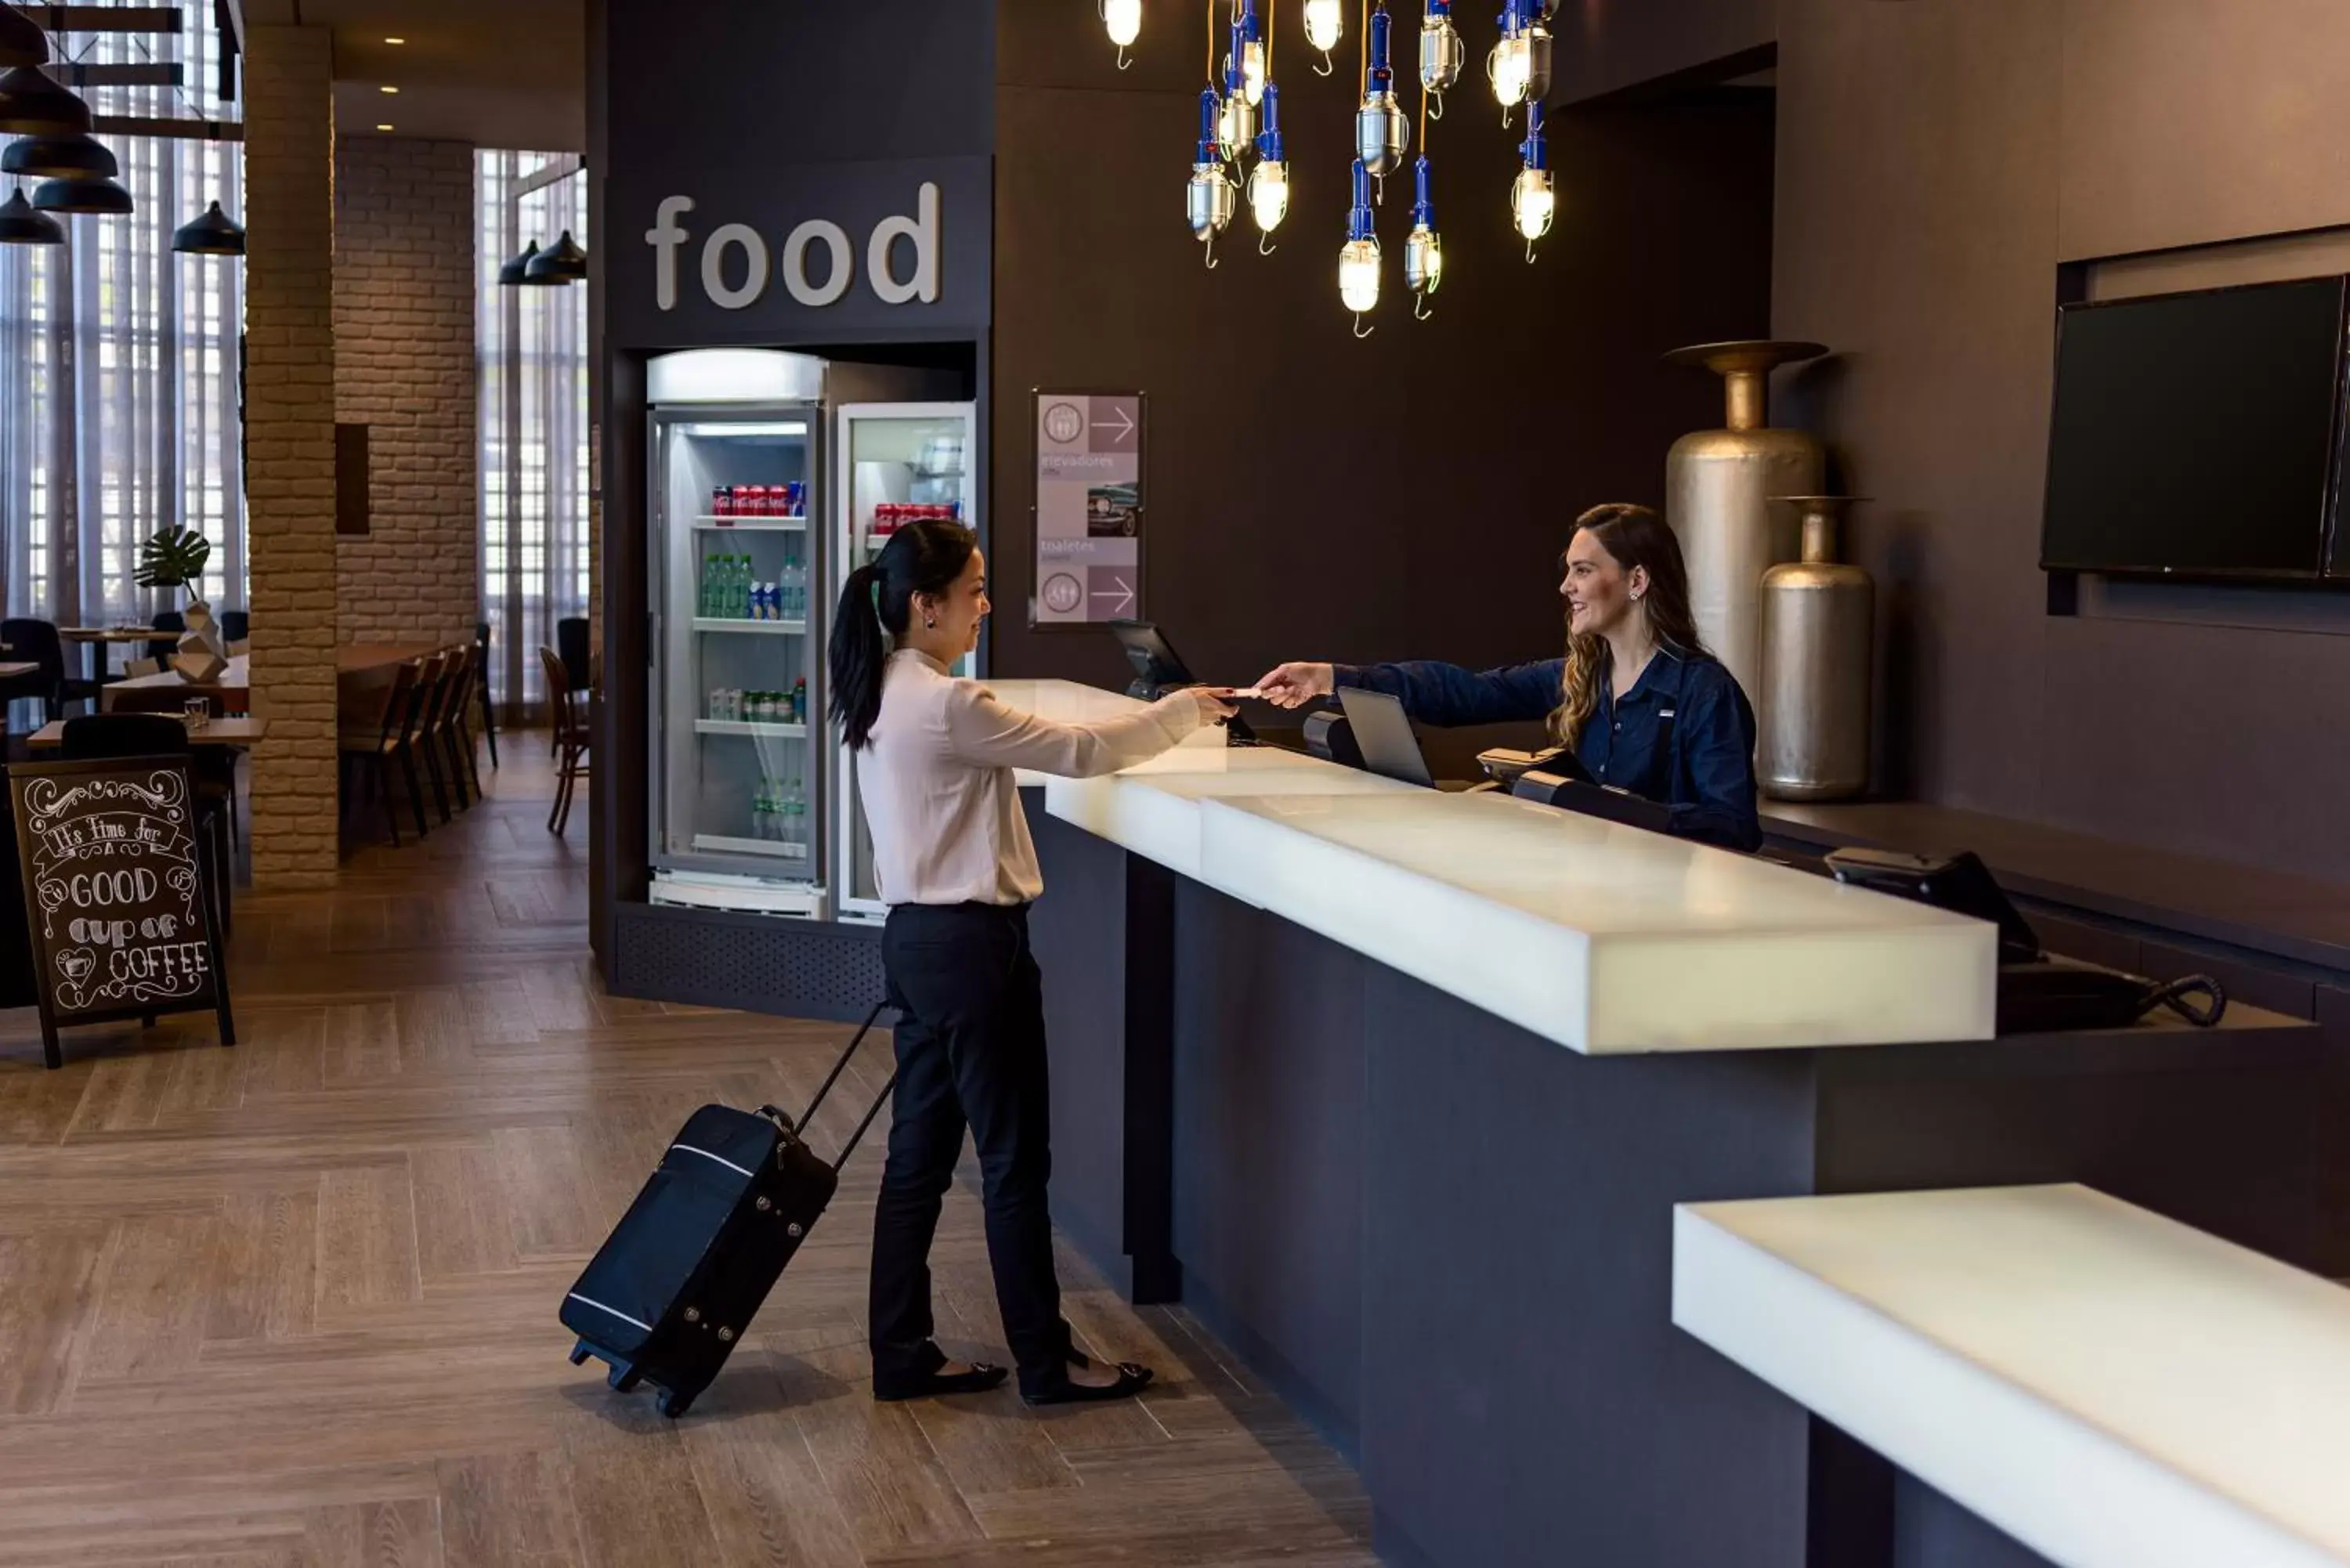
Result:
[796,815]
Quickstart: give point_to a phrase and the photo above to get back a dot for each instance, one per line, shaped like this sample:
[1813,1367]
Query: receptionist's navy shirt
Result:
[1704,769]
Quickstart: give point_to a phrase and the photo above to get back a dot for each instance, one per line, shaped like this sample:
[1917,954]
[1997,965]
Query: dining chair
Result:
[172,621]
[433,688]
[481,684]
[571,641]
[453,699]
[461,728]
[235,626]
[104,736]
[570,739]
[30,641]
[379,740]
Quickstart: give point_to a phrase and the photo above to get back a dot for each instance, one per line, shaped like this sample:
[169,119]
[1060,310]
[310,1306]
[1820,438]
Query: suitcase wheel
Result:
[580,1353]
[623,1378]
[672,1404]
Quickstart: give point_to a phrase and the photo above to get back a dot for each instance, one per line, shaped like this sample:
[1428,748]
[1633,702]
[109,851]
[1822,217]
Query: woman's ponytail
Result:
[858,652]
[923,557]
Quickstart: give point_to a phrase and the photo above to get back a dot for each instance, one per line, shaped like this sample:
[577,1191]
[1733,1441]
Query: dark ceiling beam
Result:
[104,19]
[186,130]
[75,75]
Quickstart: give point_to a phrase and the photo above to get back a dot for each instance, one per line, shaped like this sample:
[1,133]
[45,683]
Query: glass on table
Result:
[197,712]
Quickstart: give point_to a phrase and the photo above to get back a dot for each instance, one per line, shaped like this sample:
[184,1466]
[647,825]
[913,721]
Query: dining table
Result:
[358,666]
[234,732]
[102,638]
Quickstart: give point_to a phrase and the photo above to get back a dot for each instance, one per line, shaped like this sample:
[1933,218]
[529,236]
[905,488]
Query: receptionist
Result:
[1637,698]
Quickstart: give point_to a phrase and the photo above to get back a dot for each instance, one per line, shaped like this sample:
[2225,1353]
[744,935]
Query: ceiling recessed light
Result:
[395,40]
[390,90]
[383,128]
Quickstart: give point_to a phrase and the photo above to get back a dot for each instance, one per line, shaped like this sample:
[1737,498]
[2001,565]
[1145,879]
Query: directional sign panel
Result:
[1089,508]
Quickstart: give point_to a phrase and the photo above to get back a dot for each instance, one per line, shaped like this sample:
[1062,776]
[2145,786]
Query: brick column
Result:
[289,202]
[404,367]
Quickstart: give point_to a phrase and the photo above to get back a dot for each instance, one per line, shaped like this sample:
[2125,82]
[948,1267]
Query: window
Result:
[119,366]
[534,424]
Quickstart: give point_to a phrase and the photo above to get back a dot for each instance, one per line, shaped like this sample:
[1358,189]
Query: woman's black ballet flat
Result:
[978,1380]
[1131,1380]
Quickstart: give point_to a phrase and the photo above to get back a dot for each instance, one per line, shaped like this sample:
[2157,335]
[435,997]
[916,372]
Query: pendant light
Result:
[1442,55]
[1423,252]
[510,276]
[1249,50]
[98,198]
[1325,25]
[21,225]
[1533,202]
[32,104]
[214,235]
[1124,20]
[1382,133]
[1236,112]
[62,157]
[1268,184]
[22,42]
[1358,263]
[561,263]
[1208,198]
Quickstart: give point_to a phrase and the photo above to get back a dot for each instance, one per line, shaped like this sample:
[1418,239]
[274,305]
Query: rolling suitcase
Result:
[669,1295]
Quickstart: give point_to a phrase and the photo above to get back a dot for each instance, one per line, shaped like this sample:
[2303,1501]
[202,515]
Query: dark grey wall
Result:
[1937,162]
[1314,496]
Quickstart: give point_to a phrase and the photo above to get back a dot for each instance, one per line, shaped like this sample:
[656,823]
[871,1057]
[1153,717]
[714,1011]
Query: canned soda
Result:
[799,498]
[721,501]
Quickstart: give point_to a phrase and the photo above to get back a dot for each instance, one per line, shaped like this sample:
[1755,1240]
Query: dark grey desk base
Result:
[1448,1242]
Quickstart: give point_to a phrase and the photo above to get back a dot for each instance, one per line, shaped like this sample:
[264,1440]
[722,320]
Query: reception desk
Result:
[1397,1091]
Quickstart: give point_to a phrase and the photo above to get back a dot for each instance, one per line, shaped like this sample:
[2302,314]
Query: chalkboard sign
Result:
[115,893]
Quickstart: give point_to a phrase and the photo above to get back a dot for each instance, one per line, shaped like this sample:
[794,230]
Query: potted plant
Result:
[174,558]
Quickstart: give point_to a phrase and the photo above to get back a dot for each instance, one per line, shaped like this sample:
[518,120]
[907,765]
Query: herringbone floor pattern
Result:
[293,1305]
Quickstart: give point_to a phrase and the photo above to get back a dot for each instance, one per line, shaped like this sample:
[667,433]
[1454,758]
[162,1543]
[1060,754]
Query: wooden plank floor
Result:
[293,1305]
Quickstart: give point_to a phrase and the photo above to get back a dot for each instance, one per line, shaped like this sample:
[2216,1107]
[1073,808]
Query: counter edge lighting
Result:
[2071,1491]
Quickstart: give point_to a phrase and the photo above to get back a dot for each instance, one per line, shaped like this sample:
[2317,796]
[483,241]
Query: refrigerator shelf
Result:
[746,727]
[757,628]
[752,525]
[722,844]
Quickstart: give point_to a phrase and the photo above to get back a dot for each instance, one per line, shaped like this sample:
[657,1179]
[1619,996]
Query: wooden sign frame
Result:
[152,828]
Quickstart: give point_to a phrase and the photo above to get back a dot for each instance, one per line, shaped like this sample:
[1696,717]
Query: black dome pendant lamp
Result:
[101,198]
[21,225]
[32,104]
[22,42]
[214,235]
[562,262]
[66,157]
[511,274]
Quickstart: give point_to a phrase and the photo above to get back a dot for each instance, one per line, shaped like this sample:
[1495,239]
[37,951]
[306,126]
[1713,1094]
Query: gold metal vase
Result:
[1819,641]
[1718,490]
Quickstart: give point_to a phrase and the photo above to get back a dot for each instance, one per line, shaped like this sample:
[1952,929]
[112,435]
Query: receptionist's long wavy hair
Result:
[1634,536]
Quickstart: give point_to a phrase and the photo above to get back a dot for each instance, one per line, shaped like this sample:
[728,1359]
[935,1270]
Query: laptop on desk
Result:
[1383,733]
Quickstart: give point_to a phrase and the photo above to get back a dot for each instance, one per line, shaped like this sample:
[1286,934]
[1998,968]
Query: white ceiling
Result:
[497,73]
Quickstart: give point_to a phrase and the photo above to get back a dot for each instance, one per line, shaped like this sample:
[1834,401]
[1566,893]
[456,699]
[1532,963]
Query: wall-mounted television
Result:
[2201,435]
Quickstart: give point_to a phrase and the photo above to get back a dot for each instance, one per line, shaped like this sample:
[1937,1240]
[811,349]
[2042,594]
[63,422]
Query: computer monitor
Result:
[1158,669]
[1383,731]
[1157,666]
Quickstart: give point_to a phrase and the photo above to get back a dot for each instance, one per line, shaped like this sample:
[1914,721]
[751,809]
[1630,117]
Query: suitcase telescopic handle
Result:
[799,1128]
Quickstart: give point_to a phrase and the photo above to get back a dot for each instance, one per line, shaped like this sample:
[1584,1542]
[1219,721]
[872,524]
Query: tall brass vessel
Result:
[1818,643]
[1718,491]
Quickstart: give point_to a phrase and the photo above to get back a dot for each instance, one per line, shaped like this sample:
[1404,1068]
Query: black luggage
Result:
[670,1293]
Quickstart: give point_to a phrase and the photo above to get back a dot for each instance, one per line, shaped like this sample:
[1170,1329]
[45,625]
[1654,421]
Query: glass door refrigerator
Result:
[739,765]
[891,464]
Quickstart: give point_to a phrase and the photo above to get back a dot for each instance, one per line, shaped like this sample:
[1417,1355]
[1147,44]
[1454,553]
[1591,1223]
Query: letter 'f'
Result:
[665,236]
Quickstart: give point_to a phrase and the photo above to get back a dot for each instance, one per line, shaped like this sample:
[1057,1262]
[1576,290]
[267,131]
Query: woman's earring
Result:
[931,624]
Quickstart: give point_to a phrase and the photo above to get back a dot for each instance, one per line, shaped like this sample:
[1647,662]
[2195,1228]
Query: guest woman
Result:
[955,865]
[1637,698]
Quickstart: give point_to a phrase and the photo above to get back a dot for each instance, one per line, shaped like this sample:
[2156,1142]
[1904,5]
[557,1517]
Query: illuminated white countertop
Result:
[2113,1389]
[1600,937]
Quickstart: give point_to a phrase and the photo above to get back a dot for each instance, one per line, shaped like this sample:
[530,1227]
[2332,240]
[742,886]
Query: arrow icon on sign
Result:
[1125,595]
[1125,427]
